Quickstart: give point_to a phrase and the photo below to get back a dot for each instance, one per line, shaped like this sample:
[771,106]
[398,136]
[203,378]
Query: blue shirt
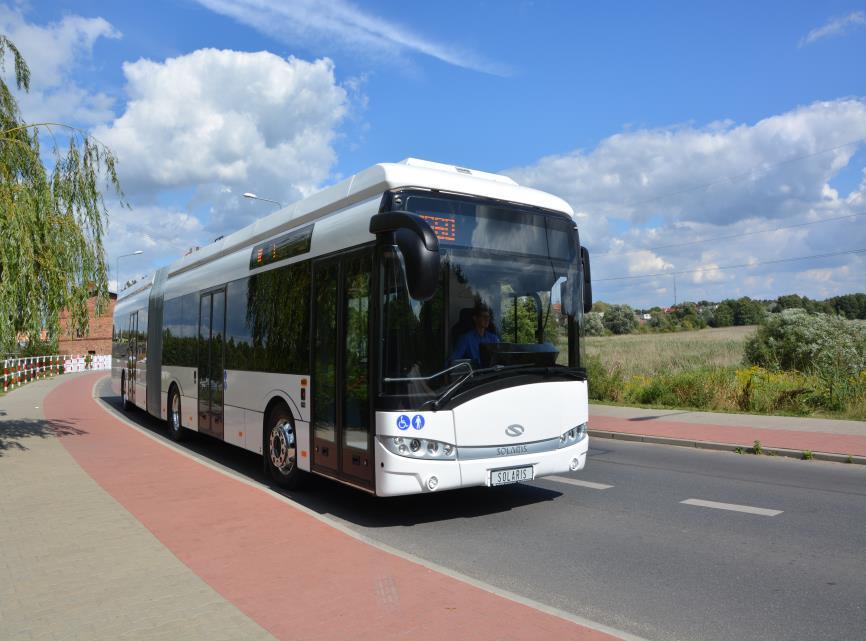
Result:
[469,345]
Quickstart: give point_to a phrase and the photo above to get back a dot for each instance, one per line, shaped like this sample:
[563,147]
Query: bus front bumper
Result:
[399,475]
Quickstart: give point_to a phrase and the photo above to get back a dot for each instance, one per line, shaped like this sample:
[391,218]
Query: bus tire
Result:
[125,405]
[176,430]
[280,448]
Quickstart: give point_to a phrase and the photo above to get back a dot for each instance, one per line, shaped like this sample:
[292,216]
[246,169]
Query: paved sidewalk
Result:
[826,438]
[109,534]
[75,563]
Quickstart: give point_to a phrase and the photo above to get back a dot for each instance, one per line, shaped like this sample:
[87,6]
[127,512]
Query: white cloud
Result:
[162,233]
[723,179]
[340,22]
[709,273]
[53,52]
[644,262]
[220,123]
[835,27]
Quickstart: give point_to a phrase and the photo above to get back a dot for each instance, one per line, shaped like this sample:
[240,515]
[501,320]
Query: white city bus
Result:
[416,327]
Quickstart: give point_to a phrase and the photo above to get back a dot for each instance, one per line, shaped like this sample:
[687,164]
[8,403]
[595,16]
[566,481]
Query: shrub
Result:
[593,325]
[619,319]
[797,340]
[604,384]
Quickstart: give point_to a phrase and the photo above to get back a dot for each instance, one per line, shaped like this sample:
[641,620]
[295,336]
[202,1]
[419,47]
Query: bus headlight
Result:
[420,448]
[573,435]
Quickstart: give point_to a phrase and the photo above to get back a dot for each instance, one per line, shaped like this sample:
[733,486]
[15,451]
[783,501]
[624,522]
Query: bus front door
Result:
[132,356]
[342,440]
[211,366]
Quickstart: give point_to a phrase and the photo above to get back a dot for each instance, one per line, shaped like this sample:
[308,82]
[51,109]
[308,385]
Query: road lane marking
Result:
[733,507]
[589,484]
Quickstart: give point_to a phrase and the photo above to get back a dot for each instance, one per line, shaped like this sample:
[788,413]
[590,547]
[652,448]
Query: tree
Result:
[600,306]
[748,311]
[51,222]
[619,319]
[522,310]
[723,315]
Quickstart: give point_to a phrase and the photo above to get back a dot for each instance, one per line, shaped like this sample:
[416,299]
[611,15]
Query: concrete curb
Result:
[725,447]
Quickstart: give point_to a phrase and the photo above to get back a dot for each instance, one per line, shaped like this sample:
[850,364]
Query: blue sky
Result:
[660,124]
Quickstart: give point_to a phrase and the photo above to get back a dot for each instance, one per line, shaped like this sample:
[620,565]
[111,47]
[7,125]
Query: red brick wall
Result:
[97,340]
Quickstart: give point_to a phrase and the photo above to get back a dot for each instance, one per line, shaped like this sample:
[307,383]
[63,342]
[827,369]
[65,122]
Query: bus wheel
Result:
[281,457]
[125,405]
[176,431]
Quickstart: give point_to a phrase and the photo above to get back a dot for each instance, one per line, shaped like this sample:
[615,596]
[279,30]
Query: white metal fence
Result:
[19,371]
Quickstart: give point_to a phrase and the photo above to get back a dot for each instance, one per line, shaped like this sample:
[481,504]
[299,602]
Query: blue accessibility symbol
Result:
[417,421]
[402,422]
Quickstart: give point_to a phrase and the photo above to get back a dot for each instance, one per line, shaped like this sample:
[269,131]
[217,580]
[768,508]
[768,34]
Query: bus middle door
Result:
[342,441]
[211,365]
[132,356]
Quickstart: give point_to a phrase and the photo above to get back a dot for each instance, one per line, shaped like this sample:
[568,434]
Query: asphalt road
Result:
[632,555]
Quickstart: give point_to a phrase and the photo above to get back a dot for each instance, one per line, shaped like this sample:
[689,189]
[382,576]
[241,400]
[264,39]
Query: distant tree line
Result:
[606,318]
[850,306]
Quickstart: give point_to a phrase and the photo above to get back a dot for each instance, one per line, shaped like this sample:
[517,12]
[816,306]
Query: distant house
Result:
[97,340]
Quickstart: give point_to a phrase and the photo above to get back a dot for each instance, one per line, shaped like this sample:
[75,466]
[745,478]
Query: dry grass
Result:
[649,354]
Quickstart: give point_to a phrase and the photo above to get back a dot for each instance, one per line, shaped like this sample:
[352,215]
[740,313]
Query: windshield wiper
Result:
[412,379]
[472,373]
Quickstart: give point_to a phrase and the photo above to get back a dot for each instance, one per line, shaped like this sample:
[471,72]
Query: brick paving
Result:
[846,438]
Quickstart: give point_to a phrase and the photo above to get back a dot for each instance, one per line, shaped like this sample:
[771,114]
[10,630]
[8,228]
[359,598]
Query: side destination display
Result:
[290,244]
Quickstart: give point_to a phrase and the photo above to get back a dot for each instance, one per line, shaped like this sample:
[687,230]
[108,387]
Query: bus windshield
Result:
[507,301]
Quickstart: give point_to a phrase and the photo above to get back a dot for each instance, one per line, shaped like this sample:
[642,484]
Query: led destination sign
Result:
[290,244]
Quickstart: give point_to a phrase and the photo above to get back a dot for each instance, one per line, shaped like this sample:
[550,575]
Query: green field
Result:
[704,370]
[650,354]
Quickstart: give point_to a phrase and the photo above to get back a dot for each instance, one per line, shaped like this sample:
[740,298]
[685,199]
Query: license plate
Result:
[511,475]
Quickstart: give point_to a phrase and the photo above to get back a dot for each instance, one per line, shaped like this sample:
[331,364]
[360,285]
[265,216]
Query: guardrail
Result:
[20,371]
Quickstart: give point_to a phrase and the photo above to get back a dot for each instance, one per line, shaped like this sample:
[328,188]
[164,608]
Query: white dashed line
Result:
[733,507]
[589,484]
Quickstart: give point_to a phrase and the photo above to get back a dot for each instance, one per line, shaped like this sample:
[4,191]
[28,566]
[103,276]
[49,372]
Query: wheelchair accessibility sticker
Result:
[403,422]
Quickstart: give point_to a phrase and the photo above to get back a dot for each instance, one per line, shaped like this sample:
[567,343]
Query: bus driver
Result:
[469,344]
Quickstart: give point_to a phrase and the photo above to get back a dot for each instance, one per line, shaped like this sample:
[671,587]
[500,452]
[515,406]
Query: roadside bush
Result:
[769,392]
[604,384]
[797,340]
[710,388]
[828,347]
[593,326]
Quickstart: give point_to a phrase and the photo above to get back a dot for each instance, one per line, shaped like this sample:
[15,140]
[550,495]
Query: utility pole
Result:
[675,290]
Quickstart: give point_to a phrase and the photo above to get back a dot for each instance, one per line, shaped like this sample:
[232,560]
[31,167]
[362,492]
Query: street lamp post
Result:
[117,273]
[252,196]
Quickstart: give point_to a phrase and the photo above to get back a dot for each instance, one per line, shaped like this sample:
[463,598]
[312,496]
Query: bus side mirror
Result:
[419,246]
[587,280]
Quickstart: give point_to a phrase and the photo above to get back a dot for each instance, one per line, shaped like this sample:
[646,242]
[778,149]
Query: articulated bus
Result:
[415,328]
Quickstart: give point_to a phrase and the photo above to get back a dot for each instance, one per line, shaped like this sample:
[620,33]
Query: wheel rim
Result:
[175,412]
[282,446]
